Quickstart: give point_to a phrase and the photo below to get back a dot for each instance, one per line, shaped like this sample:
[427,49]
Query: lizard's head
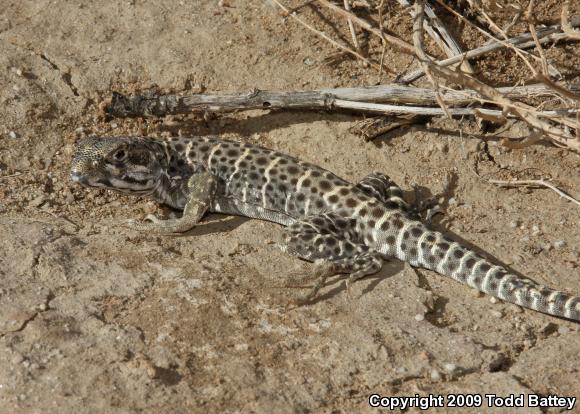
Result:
[129,165]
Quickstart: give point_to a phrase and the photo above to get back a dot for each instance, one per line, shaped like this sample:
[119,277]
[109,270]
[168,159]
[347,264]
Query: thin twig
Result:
[393,40]
[383,42]
[352,29]
[420,52]
[566,26]
[324,36]
[523,41]
[505,42]
[439,33]
[541,183]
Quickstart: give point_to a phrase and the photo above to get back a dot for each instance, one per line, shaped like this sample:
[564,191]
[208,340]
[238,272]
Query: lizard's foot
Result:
[323,271]
[201,189]
[158,226]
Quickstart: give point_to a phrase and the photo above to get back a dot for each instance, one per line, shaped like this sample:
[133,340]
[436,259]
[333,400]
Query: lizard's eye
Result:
[120,155]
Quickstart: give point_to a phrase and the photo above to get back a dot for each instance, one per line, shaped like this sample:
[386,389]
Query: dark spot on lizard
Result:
[416,232]
[377,212]
[351,202]
[325,185]
[292,169]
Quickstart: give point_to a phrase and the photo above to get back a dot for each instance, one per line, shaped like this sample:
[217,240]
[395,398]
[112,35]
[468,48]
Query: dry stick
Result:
[387,109]
[393,40]
[521,110]
[518,52]
[566,26]
[420,52]
[162,105]
[383,42]
[352,29]
[523,41]
[541,183]
[323,35]
[441,35]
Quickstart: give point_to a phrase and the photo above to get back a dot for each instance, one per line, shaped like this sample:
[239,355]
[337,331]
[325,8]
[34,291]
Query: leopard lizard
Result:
[344,228]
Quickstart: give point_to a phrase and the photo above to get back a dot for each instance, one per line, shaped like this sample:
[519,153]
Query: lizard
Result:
[343,228]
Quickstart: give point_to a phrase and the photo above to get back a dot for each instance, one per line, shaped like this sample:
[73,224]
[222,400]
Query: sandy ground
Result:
[98,318]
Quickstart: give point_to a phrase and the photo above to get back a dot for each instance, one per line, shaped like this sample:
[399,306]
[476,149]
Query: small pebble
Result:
[493,299]
[563,330]
[451,368]
[38,201]
[17,359]
[435,375]
[514,224]
[497,314]
[547,247]
[558,244]
[401,370]
[308,61]
[114,125]
[535,230]
[419,317]
[12,135]
[476,293]
[19,72]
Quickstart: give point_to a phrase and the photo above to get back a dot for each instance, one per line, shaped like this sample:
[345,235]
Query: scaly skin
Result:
[344,228]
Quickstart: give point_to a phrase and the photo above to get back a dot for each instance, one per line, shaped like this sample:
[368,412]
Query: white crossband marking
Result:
[488,274]
[377,230]
[552,301]
[302,178]
[188,150]
[267,176]
[459,269]
[245,192]
[211,154]
[421,240]
[401,253]
[441,264]
[306,207]
[237,167]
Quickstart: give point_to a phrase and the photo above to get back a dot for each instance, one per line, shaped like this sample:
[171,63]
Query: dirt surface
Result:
[95,317]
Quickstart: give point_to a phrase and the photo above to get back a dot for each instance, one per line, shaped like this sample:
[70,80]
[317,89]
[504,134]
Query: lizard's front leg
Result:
[200,191]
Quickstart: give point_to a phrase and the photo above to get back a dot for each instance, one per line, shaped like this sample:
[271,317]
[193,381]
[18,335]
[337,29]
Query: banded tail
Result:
[411,241]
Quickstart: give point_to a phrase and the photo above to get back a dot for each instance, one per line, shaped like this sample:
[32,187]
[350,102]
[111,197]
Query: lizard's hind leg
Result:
[384,189]
[329,241]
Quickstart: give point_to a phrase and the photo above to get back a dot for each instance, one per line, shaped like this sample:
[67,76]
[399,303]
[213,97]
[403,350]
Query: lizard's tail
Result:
[420,246]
